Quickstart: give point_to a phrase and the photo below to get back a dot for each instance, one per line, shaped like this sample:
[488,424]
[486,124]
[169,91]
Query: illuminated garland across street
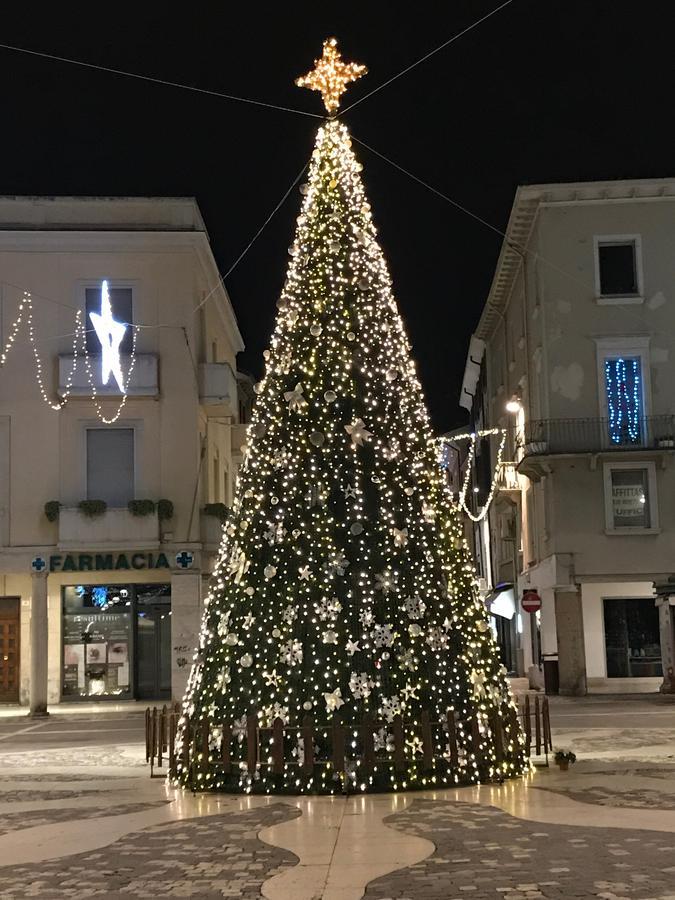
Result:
[110,358]
[461,500]
[343,593]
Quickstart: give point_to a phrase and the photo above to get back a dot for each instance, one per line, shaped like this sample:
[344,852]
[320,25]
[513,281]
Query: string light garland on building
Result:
[343,588]
[79,351]
[624,400]
[472,436]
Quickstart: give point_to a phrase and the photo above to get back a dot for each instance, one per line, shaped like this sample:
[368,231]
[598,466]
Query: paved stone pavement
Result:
[15,821]
[604,796]
[213,857]
[482,852]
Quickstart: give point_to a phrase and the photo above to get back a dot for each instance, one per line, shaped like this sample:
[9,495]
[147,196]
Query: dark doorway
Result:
[9,649]
[153,642]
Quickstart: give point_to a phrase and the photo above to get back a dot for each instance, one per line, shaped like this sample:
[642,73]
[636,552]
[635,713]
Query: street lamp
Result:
[514,405]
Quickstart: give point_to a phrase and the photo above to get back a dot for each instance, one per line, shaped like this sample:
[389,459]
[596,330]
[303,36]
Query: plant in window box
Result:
[52,509]
[164,510]
[563,759]
[218,510]
[666,441]
[141,508]
[92,508]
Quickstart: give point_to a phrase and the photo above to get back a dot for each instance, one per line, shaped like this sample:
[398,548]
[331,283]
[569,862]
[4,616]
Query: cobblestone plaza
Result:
[80,817]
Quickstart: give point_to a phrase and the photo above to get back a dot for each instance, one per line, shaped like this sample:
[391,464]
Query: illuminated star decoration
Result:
[331,75]
[110,333]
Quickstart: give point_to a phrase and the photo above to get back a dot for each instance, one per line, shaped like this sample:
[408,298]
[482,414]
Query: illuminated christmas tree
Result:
[343,594]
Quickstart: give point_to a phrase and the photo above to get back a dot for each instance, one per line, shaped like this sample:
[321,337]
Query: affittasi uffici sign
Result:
[110,562]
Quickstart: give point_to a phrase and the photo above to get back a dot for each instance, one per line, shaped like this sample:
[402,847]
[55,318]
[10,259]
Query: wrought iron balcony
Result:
[542,437]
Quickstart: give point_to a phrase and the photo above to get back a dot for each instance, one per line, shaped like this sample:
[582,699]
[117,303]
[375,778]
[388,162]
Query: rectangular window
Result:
[630,497]
[121,303]
[618,268]
[632,639]
[110,465]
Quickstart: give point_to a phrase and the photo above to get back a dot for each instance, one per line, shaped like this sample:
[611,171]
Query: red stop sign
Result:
[531,601]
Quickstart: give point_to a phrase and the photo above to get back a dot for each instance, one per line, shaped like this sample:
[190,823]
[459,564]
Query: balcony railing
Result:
[115,528]
[547,436]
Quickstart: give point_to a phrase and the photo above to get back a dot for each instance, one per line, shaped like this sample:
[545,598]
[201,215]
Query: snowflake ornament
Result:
[390,708]
[385,581]
[291,652]
[275,711]
[329,637]
[382,636]
[383,740]
[338,562]
[437,639]
[327,610]
[366,618]
[407,660]
[361,685]
[290,614]
[239,729]
[414,607]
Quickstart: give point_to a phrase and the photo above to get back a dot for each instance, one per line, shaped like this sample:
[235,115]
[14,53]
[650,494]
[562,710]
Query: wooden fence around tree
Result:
[250,740]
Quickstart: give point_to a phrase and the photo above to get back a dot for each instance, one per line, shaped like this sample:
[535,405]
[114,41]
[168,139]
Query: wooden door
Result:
[9,650]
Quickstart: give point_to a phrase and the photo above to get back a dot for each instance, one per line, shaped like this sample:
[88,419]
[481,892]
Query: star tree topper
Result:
[331,75]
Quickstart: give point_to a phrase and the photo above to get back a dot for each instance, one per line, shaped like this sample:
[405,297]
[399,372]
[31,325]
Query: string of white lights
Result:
[471,436]
[80,350]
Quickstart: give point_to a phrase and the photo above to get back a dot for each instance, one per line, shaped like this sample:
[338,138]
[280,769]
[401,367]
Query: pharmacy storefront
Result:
[116,626]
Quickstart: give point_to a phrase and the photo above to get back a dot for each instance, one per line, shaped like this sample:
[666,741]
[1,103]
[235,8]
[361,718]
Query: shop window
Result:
[630,498]
[110,465]
[121,303]
[632,639]
[116,641]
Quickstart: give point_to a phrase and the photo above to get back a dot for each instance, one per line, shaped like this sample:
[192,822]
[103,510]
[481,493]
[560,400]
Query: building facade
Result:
[104,540]
[576,338]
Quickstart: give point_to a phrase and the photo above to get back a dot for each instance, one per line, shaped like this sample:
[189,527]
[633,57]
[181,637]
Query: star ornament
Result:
[110,334]
[331,75]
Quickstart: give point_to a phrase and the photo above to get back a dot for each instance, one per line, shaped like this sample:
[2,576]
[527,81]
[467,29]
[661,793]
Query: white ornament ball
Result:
[315,329]
[296,533]
[363,284]
[303,188]
[269,571]
[334,246]
[317,438]
[231,639]
[250,591]
[351,336]
[258,388]
[385,655]
[330,396]
[246,661]
[307,705]
[391,374]
[276,633]
[243,525]
[266,354]
[409,491]
[356,528]
[274,500]
[482,625]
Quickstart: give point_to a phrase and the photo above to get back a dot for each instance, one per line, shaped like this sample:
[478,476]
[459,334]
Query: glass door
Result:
[153,642]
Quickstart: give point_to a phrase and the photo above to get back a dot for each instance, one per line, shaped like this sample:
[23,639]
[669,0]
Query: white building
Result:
[109,606]
[577,331]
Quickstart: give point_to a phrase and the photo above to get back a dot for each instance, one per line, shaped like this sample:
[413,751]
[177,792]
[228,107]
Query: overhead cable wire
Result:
[154,80]
[428,55]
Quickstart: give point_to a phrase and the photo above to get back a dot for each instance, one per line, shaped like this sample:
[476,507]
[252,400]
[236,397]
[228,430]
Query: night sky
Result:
[545,90]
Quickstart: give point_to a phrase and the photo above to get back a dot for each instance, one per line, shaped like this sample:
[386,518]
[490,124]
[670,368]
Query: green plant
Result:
[219,510]
[164,510]
[565,756]
[141,507]
[52,509]
[92,508]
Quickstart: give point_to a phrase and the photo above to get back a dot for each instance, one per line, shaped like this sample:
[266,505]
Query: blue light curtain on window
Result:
[623,382]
